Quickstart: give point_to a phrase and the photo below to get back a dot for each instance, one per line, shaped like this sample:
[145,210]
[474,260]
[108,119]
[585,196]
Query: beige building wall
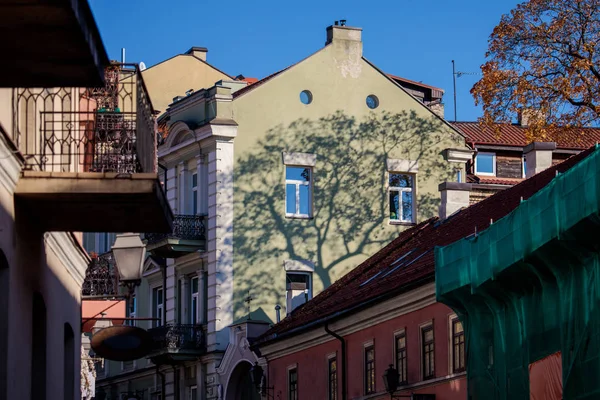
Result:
[175,76]
[52,265]
[351,143]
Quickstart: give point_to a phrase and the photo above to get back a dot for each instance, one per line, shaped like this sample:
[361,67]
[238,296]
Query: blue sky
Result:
[415,39]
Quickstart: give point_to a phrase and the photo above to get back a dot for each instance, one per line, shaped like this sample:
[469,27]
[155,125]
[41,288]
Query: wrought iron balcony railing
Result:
[185,227]
[101,277]
[177,342]
[107,129]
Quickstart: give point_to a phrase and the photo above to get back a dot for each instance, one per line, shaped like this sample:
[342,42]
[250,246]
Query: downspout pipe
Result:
[343,342]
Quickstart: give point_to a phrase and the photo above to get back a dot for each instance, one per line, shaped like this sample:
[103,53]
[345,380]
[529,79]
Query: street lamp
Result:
[391,379]
[129,252]
[259,381]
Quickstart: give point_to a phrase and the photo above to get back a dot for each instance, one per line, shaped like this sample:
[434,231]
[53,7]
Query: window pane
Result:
[160,296]
[401,342]
[194,309]
[195,203]
[195,285]
[194,180]
[485,163]
[290,199]
[407,206]
[394,205]
[428,335]
[400,180]
[304,199]
[297,173]
[458,327]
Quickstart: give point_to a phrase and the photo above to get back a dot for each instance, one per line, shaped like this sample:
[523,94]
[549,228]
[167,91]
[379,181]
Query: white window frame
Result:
[299,183]
[523,161]
[309,294]
[194,192]
[190,392]
[400,190]
[194,296]
[485,153]
[158,312]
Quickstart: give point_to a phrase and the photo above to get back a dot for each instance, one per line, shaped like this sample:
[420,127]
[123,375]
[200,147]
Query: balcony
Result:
[188,235]
[90,157]
[175,343]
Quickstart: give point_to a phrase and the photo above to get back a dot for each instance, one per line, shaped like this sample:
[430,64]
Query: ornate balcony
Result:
[188,235]
[175,343]
[90,156]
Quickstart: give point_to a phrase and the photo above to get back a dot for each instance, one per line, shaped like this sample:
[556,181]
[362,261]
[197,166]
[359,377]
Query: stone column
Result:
[202,171]
[184,188]
[170,292]
[172,189]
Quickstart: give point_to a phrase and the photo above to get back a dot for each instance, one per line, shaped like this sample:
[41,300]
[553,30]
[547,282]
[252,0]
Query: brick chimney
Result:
[455,195]
[198,52]
[538,157]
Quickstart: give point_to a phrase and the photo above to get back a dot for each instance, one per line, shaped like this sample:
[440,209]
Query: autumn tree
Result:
[543,59]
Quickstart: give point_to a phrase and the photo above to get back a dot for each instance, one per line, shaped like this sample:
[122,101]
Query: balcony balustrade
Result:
[188,235]
[175,343]
[91,156]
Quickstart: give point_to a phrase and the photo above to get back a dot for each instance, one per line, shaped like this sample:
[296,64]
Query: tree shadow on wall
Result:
[350,200]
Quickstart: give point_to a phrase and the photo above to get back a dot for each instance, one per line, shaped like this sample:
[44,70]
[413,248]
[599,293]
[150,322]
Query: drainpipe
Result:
[343,342]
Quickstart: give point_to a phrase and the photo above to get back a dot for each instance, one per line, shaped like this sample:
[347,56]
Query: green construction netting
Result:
[529,286]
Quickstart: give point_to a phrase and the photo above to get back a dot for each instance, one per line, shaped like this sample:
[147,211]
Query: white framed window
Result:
[132,309]
[194,199]
[194,300]
[524,164]
[298,289]
[401,195]
[193,392]
[158,305]
[298,191]
[485,164]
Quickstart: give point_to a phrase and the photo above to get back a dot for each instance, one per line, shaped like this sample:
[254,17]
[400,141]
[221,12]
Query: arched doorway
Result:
[240,385]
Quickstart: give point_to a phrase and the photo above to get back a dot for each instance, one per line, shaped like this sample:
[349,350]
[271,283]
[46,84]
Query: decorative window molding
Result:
[458,155]
[397,165]
[301,159]
[299,265]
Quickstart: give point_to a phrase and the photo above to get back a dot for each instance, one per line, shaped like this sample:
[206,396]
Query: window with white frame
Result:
[298,191]
[485,164]
[132,309]
[401,191]
[298,289]
[194,301]
[194,193]
[524,165]
[157,305]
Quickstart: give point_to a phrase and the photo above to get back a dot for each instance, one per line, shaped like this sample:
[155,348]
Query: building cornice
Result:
[69,254]
[386,310]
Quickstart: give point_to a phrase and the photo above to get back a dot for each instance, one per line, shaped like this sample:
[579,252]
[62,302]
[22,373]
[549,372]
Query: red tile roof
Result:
[514,135]
[404,80]
[487,180]
[408,261]
[258,83]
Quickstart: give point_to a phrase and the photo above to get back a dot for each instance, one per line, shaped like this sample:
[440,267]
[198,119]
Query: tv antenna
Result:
[455,75]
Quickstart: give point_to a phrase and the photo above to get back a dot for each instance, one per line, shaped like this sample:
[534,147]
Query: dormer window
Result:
[485,164]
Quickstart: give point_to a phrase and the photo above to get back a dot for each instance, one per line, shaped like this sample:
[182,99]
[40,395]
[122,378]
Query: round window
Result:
[372,101]
[306,97]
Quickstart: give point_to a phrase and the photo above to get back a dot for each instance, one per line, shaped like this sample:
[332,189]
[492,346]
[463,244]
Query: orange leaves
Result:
[544,56]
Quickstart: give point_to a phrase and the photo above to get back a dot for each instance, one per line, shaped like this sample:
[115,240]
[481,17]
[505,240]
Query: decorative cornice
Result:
[392,308]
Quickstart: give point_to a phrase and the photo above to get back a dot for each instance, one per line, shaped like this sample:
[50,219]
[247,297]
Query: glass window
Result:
[333,379]
[401,197]
[401,363]
[485,164]
[298,289]
[293,384]
[298,191]
[458,350]
[524,166]
[158,304]
[193,392]
[428,352]
[194,193]
[194,305]
[369,370]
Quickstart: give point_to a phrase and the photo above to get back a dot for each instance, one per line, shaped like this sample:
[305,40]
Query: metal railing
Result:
[185,227]
[101,277]
[175,337]
[106,129]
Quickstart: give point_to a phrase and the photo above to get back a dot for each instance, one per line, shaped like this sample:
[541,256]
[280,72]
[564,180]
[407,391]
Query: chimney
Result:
[455,195]
[345,35]
[538,157]
[198,52]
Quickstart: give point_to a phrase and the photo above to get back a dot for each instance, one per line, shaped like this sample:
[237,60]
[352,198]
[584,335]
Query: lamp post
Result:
[129,252]
[259,381]
[391,381]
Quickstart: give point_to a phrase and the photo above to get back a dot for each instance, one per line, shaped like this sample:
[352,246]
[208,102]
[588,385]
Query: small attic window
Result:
[372,101]
[306,97]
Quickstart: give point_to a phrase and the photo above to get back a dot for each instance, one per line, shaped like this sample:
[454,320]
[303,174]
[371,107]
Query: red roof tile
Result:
[487,180]
[514,135]
[257,83]
[401,79]
[409,260]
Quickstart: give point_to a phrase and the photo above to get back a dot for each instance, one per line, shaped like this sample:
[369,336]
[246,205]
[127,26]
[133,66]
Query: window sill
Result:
[294,216]
[402,223]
